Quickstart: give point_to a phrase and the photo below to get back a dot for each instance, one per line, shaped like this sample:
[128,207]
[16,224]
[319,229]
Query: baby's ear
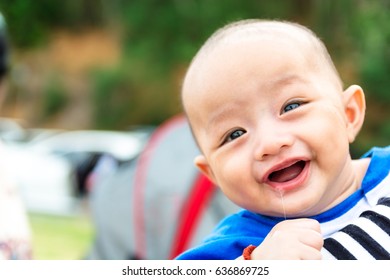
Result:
[202,164]
[355,108]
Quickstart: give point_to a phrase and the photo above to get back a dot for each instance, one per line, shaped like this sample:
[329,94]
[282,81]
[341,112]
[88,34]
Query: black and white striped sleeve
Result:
[366,238]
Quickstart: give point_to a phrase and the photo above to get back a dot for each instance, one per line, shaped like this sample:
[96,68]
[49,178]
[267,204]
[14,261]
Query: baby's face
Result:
[270,123]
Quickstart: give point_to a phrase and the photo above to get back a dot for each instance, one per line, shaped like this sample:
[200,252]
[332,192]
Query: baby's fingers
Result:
[313,239]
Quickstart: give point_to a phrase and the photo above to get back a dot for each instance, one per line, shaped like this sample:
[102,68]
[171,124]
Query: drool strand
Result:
[282,200]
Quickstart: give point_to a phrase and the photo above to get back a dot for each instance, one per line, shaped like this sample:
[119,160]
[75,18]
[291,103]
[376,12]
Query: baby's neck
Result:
[360,166]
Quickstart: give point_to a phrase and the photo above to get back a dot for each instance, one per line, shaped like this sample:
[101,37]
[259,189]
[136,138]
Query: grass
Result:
[60,238]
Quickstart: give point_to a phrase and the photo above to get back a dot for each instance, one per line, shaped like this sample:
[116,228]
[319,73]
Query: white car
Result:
[51,171]
[123,146]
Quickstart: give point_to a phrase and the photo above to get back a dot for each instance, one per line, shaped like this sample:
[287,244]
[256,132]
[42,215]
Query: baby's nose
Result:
[271,143]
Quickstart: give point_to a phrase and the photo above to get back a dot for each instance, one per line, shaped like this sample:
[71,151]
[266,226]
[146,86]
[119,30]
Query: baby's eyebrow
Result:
[223,113]
[286,79]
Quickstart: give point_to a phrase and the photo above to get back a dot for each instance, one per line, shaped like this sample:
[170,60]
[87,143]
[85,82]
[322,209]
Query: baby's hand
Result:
[298,239]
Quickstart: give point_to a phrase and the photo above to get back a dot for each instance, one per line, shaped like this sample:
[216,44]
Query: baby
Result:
[273,123]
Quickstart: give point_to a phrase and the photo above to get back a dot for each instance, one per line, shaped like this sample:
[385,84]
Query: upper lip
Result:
[281,165]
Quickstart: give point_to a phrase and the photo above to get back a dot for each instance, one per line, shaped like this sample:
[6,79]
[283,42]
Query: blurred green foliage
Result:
[30,21]
[55,97]
[160,38]
[113,93]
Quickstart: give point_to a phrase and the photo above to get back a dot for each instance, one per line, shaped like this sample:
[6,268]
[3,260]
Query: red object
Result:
[197,202]
[248,252]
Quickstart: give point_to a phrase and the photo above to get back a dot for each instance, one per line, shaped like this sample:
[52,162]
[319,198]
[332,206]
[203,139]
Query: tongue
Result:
[288,173]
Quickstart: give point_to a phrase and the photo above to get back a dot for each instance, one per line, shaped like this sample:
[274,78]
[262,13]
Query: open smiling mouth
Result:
[289,173]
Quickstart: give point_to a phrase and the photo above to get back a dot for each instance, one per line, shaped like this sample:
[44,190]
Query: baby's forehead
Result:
[232,44]
[238,40]
[293,35]
[221,53]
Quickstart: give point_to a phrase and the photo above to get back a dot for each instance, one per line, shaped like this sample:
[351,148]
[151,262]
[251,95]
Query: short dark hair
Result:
[4,49]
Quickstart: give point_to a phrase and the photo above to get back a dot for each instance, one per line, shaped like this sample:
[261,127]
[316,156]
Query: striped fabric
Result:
[366,238]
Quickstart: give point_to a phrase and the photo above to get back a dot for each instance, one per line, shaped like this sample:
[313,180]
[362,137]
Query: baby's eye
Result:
[291,106]
[234,135]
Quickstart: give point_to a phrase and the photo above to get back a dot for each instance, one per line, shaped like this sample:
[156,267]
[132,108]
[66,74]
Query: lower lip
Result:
[294,183]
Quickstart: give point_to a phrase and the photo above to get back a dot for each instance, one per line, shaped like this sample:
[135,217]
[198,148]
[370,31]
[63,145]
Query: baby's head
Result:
[268,111]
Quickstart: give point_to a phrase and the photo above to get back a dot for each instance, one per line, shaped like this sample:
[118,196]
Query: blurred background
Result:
[116,66]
